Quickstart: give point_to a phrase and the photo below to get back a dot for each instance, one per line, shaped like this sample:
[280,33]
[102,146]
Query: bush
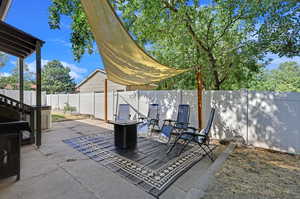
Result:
[69,108]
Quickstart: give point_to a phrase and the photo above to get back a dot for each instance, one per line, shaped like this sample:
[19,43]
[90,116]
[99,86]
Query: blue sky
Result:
[32,17]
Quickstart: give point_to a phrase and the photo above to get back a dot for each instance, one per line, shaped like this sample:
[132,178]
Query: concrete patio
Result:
[57,171]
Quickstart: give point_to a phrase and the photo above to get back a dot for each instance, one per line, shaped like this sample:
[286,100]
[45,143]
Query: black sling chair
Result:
[152,119]
[182,121]
[200,137]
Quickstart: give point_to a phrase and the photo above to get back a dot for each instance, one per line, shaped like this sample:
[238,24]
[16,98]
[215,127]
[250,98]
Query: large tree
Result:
[285,78]
[56,78]
[12,81]
[225,39]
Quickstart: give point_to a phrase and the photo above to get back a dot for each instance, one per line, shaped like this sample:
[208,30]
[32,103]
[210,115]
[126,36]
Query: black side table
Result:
[125,133]
[10,145]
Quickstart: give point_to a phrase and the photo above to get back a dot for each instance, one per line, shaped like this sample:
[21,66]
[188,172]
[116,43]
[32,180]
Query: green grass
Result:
[57,118]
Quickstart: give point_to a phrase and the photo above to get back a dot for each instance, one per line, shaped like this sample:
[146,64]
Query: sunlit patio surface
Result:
[57,170]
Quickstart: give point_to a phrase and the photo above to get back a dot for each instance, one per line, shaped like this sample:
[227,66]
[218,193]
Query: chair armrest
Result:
[192,128]
[193,134]
[168,120]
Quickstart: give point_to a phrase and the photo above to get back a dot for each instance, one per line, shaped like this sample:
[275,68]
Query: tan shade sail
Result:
[125,62]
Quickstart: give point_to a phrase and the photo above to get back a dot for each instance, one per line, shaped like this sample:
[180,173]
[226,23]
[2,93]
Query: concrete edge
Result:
[198,191]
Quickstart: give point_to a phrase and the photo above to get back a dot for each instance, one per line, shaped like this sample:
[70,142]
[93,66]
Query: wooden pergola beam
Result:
[16,41]
[9,51]
[18,34]
[38,94]
[21,84]
[13,47]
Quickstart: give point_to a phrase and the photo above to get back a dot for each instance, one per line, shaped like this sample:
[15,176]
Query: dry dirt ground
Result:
[257,173]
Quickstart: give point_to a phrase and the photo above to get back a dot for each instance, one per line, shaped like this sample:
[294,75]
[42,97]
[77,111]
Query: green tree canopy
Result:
[3,59]
[12,81]
[223,39]
[56,78]
[286,78]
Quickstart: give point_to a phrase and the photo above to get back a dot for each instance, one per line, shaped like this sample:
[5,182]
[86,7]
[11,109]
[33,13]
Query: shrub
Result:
[67,108]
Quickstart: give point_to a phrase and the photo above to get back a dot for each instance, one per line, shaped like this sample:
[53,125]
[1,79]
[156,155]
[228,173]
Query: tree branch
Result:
[188,25]
[227,26]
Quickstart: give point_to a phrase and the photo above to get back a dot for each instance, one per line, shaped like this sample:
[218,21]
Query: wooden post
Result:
[105,100]
[199,94]
[38,95]
[21,85]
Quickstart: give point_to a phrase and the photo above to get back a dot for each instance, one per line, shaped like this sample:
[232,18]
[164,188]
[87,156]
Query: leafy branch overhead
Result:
[226,39]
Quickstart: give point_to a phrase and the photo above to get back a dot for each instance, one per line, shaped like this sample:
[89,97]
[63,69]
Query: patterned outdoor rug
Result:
[148,166]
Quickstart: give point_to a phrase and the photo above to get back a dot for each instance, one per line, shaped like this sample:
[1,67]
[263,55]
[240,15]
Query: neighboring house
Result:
[95,83]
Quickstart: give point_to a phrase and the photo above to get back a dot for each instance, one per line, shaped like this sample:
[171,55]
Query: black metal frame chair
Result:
[123,113]
[152,118]
[200,137]
[167,129]
[182,122]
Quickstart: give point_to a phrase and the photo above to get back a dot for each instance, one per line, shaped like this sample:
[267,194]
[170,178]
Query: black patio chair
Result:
[200,137]
[152,119]
[123,113]
[182,121]
[167,129]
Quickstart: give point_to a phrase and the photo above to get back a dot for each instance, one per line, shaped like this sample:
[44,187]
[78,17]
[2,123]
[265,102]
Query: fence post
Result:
[58,104]
[138,102]
[113,104]
[79,103]
[105,100]
[31,98]
[247,116]
[180,92]
[93,104]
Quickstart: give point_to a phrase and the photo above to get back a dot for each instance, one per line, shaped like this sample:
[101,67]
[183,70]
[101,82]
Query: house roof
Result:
[4,6]
[90,76]
[93,73]
[16,42]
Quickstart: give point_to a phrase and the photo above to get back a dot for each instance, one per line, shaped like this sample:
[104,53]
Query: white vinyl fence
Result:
[29,96]
[93,103]
[263,119]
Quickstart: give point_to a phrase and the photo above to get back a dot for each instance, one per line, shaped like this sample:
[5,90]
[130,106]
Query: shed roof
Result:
[17,42]
[90,76]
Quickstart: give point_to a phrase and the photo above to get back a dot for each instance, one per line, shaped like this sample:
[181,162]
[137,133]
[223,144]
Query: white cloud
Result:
[5,74]
[75,75]
[76,71]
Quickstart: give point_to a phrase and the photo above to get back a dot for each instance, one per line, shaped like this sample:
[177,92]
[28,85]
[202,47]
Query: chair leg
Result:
[184,145]
[173,145]
[206,152]
[169,140]
[207,146]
